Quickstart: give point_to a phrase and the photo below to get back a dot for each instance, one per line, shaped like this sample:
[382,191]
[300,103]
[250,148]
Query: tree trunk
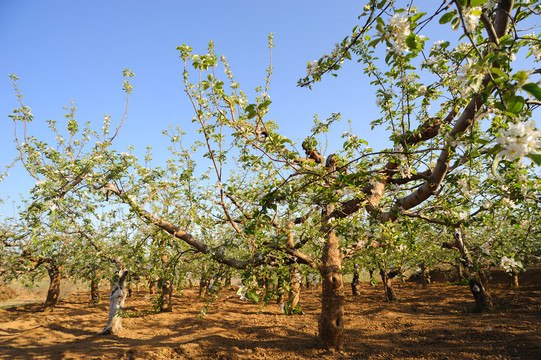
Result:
[514,282]
[203,281]
[164,302]
[280,286]
[55,275]
[151,286]
[425,275]
[460,272]
[356,283]
[483,300]
[371,274]
[331,319]
[116,299]
[390,295]
[294,291]
[94,291]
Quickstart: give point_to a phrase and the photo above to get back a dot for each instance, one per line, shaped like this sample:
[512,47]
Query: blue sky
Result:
[64,50]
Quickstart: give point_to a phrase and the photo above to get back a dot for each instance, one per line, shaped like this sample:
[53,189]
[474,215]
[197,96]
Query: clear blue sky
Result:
[63,50]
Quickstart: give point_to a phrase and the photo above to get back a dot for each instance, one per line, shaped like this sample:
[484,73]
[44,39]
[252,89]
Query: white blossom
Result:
[471,18]
[509,203]
[345,192]
[519,140]
[509,264]
[312,67]
[400,28]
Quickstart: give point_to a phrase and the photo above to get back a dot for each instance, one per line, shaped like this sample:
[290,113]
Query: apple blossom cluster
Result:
[471,77]
[312,67]
[471,18]
[509,264]
[519,140]
[400,27]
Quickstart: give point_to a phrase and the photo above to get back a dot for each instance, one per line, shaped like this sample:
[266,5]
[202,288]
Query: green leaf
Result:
[506,40]
[412,42]
[374,42]
[533,89]
[455,23]
[447,17]
[515,104]
[474,3]
[536,158]
[252,296]
[417,16]
[500,73]
[482,141]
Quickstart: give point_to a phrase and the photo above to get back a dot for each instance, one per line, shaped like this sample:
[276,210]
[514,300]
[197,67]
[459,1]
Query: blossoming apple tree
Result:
[445,103]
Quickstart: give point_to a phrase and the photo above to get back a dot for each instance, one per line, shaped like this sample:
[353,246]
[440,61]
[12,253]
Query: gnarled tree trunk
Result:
[116,299]
[331,319]
[53,293]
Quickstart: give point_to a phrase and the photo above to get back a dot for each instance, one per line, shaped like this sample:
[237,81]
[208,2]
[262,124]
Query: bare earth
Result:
[437,323]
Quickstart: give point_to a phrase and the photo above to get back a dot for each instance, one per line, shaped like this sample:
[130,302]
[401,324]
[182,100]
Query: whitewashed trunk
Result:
[116,299]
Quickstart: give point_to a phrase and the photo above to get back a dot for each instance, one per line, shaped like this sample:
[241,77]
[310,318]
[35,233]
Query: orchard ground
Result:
[433,323]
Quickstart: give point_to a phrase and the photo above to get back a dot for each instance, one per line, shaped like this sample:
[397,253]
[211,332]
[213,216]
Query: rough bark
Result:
[94,291]
[386,277]
[331,319]
[356,283]
[116,299]
[53,293]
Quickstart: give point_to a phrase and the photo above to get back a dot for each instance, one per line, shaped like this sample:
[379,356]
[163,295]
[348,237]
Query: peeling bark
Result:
[116,299]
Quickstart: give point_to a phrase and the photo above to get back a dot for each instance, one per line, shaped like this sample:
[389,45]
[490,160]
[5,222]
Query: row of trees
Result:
[456,185]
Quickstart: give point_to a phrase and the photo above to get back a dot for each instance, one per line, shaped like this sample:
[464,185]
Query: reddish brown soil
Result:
[437,323]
